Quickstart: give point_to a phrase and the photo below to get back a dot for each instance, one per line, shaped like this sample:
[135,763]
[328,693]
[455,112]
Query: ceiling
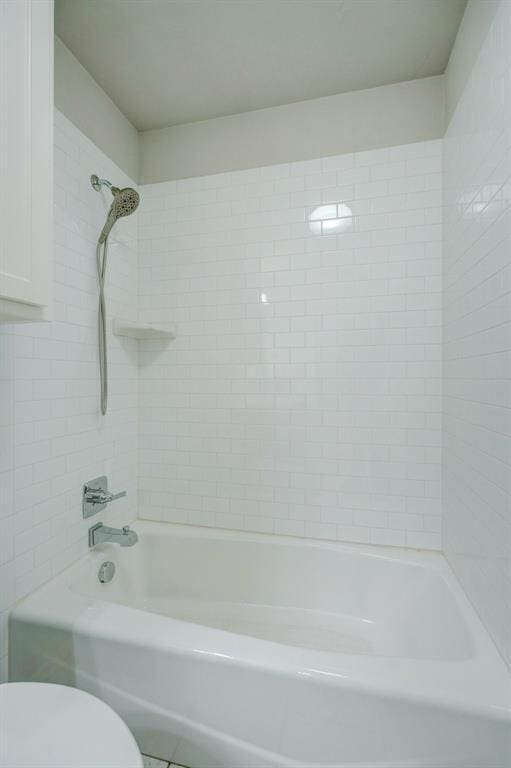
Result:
[166,62]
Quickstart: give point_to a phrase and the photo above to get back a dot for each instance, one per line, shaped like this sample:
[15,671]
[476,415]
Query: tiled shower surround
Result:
[52,438]
[477,307]
[302,393]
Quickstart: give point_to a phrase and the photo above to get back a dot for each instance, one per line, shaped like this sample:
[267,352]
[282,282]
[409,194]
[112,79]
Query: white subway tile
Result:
[477,400]
[53,397]
[303,325]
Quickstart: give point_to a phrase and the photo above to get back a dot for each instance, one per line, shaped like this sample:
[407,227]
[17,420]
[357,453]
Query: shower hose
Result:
[101,254]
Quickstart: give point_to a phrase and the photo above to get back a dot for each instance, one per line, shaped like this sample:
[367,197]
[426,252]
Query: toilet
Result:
[53,726]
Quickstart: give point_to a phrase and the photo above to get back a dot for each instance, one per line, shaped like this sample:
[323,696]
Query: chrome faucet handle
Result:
[96,496]
[115,496]
[100,496]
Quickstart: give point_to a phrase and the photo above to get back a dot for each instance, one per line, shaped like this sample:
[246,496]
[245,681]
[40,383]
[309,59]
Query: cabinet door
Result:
[26,152]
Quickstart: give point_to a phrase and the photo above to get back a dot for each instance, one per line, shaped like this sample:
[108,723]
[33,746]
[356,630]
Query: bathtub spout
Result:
[100,534]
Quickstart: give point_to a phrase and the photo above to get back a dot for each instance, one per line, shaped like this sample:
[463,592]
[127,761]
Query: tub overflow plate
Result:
[106,572]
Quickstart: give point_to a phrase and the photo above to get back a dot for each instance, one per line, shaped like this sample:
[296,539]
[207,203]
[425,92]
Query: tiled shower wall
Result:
[302,393]
[477,305]
[52,438]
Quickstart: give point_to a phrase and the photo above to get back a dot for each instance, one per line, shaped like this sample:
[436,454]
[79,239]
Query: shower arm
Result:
[97,183]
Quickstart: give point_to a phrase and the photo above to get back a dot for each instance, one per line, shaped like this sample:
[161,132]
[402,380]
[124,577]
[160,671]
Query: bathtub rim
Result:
[480,685]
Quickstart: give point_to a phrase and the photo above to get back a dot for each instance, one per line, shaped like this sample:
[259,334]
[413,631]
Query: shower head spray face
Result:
[125,203]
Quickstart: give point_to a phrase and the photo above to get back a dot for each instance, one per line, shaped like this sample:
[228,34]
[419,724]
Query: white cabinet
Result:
[26,159]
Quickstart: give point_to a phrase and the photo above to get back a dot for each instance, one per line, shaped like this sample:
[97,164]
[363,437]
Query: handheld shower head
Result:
[125,202]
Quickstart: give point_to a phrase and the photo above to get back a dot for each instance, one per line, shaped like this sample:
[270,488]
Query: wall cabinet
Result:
[26,159]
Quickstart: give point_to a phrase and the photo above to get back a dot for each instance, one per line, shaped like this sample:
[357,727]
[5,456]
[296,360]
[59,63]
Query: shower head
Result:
[125,202]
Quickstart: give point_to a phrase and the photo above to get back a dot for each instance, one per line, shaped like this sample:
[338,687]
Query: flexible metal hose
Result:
[101,255]
[125,203]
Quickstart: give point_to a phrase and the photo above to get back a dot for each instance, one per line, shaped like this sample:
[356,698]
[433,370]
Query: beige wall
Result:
[473,29]
[81,100]
[389,115]
[373,118]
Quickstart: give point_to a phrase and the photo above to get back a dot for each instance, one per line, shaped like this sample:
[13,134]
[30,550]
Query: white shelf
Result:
[143,331]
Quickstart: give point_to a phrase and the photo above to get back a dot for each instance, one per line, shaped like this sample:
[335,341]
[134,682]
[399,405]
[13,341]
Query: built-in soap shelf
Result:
[143,331]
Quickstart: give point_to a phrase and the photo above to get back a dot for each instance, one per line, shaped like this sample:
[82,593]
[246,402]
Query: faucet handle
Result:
[96,496]
[101,496]
[115,496]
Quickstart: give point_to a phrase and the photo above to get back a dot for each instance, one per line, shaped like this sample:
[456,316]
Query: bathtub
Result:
[233,650]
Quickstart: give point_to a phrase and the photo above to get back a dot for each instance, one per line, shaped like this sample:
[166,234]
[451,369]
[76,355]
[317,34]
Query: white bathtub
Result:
[235,650]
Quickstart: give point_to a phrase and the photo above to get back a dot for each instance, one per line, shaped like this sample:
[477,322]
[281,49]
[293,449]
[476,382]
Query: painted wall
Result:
[302,393]
[378,117]
[86,105]
[52,438]
[476,22]
[361,120]
[477,335]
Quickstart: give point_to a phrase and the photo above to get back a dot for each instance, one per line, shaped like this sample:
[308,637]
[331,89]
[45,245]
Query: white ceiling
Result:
[165,62]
